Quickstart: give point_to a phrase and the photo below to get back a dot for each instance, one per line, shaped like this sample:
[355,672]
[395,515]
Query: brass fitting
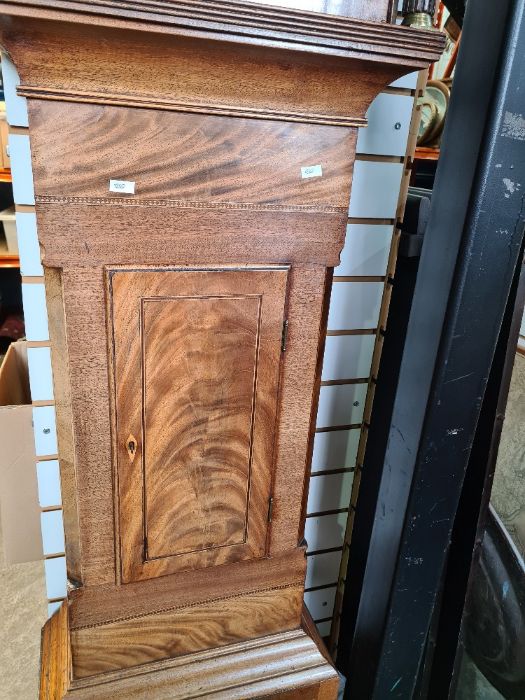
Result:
[418,13]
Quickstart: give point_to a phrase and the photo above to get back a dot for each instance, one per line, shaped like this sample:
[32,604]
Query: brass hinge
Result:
[270,509]
[284,336]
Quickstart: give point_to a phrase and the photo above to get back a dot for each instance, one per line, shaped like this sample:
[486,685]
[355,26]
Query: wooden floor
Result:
[23,611]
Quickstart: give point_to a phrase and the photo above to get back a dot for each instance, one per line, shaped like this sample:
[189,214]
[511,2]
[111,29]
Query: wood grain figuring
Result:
[328,281]
[200,366]
[207,79]
[205,345]
[64,421]
[98,605]
[247,23]
[287,665]
[185,425]
[187,158]
[184,631]
[55,657]
[84,308]
[76,235]
[172,105]
[297,402]
[280,665]
[85,314]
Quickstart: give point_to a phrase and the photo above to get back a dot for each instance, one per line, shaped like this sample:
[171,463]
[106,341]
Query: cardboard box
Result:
[4,139]
[19,507]
[8,219]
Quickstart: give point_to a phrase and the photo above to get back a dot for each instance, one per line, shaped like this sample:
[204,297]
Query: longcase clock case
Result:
[187,319]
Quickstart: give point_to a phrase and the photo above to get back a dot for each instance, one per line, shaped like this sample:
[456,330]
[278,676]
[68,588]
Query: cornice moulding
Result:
[248,23]
[153,102]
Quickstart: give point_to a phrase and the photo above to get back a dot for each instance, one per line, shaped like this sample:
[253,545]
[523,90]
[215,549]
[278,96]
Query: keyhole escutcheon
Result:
[131,447]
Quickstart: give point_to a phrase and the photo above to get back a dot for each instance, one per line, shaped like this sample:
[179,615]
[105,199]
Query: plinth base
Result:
[289,666]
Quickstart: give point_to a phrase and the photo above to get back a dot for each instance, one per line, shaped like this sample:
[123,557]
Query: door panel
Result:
[198,409]
[196,358]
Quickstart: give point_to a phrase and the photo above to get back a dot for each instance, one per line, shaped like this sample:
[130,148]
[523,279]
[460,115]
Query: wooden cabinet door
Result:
[196,365]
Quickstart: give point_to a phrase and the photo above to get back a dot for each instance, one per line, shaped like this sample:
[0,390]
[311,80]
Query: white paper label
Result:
[312,171]
[122,186]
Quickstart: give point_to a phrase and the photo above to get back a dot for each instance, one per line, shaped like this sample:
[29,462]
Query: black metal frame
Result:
[405,515]
[467,543]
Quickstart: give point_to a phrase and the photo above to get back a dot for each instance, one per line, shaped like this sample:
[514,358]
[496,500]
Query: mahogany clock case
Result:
[187,317]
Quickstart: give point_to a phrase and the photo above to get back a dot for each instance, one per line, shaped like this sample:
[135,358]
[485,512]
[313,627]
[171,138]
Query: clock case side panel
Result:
[64,422]
[84,301]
